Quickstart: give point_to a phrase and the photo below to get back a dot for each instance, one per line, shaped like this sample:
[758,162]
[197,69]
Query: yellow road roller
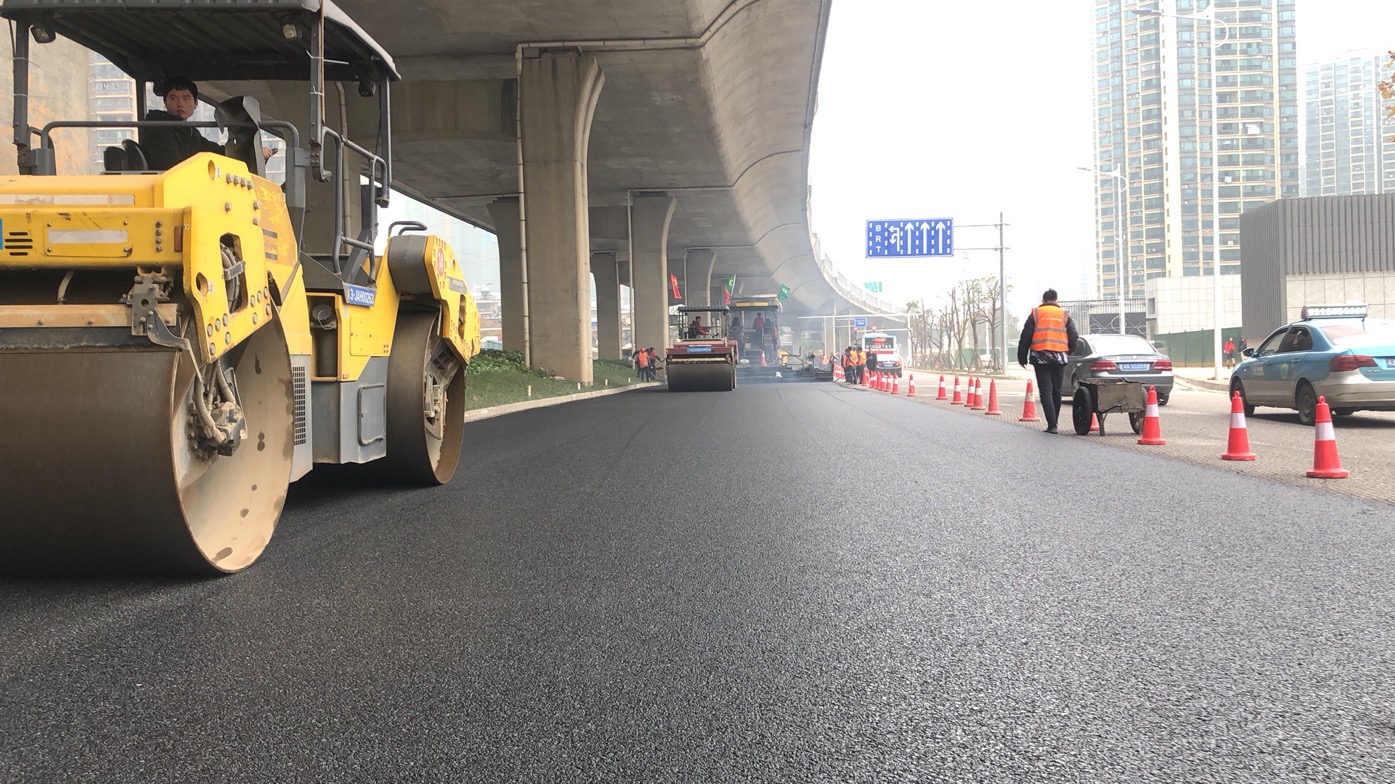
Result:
[178,345]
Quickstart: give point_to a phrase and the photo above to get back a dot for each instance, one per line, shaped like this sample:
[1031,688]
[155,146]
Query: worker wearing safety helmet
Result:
[1047,339]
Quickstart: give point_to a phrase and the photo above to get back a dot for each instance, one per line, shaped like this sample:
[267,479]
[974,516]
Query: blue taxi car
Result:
[1333,351]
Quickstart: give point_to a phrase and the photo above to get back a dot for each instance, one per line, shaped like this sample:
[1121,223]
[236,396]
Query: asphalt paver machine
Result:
[176,346]
[755,327]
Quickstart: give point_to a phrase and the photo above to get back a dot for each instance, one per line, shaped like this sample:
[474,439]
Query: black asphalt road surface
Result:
[785,583]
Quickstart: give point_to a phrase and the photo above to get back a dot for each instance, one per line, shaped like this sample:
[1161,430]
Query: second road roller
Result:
[703,357]
[179,341]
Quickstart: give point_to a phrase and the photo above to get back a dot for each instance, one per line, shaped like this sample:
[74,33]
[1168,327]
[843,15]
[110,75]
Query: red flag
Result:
[726,296]
[673,279]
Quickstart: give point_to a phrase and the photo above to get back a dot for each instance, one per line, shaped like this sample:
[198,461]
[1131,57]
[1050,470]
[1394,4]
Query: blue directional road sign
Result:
[860,322]
[901,239]
[874,286]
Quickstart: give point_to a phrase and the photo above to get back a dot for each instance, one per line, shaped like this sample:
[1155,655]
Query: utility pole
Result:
[1001,248]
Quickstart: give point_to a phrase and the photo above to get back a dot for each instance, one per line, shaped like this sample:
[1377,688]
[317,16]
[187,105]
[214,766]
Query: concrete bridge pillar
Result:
[698,266]
[607,274]
[557,95]
[504,213]
[649,219]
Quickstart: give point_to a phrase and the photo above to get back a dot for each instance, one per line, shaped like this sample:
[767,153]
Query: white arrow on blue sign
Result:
[901,239]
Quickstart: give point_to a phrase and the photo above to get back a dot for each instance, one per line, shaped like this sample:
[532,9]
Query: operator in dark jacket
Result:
[165,148]
[1047,339]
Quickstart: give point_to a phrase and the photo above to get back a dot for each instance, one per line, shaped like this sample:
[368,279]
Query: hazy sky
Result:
[933,108]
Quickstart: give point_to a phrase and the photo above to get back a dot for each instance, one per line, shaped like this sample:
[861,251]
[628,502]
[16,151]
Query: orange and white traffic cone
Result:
[1238,445]
[1029,407]
[910,386]
[1094,423]
[1326,465]
[1152,423]
[895,385]
[978,396]
[866,378]
[762,359]
[992,399]
[958,398]
[941,394]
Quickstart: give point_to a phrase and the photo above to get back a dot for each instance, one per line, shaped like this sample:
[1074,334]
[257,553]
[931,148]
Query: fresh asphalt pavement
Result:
[790,582]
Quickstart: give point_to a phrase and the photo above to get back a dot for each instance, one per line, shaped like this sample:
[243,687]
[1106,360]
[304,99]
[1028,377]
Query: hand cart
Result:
[1105,396]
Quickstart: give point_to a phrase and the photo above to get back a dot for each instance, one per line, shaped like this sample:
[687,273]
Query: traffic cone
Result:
[992,399]
[1094,423]
[1325,462]
[762,359]
[866,381]
[910,386]
[895,385]
[1029,407]
[1238,447]
[877,381]
[978,395]
[1152,424]
[941,394]
[958,398]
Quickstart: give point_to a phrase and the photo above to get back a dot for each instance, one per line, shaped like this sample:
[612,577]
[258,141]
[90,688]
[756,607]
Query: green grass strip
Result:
[501,377]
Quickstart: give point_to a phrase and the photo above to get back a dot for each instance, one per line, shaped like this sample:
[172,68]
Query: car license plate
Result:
[1390,362]
[1134,365]
[699,349]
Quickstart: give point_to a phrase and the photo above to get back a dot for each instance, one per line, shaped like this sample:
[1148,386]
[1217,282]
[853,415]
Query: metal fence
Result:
[1101,316]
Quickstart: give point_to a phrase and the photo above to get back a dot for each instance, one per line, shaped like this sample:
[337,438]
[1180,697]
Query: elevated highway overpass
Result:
[632,138]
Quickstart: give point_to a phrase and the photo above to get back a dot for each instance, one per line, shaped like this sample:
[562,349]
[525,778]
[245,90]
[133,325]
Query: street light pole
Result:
[1209,17]
[1121,216]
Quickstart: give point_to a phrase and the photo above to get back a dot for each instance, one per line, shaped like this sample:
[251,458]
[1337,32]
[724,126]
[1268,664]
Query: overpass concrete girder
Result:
[710,101]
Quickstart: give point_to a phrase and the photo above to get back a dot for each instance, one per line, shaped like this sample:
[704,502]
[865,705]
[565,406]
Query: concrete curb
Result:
[511,408]
[1202,383]
[1187,381]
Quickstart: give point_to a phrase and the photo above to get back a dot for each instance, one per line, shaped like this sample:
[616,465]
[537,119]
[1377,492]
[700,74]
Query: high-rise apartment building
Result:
[1157,95]
[1348,149]
[112,98]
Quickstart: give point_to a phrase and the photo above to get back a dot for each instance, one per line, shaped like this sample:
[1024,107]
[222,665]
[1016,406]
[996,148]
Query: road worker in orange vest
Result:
[1047,339]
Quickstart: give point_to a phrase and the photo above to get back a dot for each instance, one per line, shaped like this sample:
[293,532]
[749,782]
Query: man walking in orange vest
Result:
[1047,339]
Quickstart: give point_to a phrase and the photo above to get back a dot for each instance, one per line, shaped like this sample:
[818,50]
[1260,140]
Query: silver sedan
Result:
[1129,357]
